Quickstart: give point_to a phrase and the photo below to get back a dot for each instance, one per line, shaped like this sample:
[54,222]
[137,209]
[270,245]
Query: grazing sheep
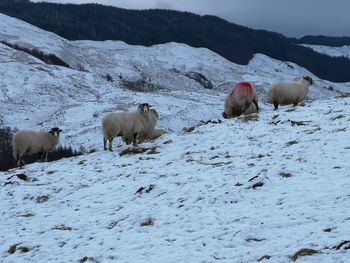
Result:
[129,125]
[31,142]
[289,92]
[240,99]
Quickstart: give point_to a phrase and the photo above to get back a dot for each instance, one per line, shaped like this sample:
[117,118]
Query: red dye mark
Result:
[240,85]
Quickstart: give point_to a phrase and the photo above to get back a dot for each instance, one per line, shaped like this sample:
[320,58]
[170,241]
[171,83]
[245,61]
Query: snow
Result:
[203,205]
[343,51]
[235,191]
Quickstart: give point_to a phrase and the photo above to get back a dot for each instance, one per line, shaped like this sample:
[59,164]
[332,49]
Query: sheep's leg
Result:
[104,144]
[110,146]
[134,141]
[46,156]
[276,105]
[295,103]
[20,161]
[41,156]
[256,105]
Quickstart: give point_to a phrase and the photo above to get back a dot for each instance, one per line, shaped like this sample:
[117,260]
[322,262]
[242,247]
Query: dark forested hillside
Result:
[149,27]
[325,41]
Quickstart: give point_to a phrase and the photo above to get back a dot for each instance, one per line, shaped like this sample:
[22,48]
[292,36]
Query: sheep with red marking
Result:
[240,99]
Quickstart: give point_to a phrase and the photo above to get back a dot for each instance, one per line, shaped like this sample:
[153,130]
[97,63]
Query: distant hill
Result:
[325,41]
[149,27]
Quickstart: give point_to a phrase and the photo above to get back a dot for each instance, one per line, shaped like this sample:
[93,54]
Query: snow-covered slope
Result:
[239,191]
[75,99]
[260,187]
[343,51]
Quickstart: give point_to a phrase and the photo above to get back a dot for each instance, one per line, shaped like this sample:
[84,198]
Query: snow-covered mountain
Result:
[343,51]
[76,98]
[256,188]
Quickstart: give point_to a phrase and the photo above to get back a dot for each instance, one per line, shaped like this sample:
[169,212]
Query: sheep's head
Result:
[143,108]
[308,79]
[55,132]
[224,115]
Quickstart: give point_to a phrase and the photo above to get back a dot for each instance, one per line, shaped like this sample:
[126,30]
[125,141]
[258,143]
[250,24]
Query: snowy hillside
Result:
[259,188]
[271,187]
[75,99]
[343,51]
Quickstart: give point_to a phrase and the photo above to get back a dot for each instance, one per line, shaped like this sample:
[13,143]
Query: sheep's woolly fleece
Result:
[247,189]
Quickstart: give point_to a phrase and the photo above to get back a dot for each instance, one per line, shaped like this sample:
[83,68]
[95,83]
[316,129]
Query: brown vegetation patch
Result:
[133,150]
[147,222]
[267,257]
[345,95]
[62,228]
[299,123]
[305,252]
[285,174]
[250,117]
[341,116]
[342,245]
[42,199]
[292,142]
[12,249]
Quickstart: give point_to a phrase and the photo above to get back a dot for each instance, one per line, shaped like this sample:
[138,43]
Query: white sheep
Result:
[289,92]
[150,132]
[129,125]
[240,99]
[31,142]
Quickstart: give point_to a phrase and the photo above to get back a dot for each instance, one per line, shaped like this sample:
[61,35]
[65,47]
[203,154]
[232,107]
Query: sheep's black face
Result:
[55,132]
[143,108]
[308,79]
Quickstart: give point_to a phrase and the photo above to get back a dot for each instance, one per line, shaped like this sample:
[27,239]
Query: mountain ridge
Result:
[150,27]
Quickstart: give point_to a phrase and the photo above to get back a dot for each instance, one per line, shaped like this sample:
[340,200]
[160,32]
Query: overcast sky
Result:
[289,17]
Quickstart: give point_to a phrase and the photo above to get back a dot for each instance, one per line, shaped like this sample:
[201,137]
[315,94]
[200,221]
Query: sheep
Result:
[150,132]
[289,92]
[239,100]
[129,125]
[31,142]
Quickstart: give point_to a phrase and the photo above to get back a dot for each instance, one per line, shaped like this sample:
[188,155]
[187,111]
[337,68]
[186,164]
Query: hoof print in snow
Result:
[304,252]
[42,199]
[147,222]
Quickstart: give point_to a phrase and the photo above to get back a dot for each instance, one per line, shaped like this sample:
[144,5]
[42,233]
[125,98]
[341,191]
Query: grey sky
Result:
[289,17]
